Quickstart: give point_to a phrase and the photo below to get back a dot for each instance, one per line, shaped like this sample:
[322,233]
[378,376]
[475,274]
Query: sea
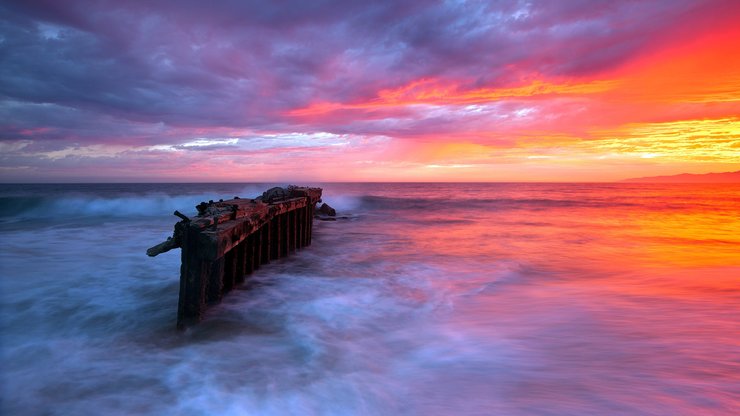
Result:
[420,299]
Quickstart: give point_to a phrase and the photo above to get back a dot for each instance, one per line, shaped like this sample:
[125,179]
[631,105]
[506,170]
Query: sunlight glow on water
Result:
[474,299]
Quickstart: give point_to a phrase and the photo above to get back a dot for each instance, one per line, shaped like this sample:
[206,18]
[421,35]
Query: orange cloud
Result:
[437,92]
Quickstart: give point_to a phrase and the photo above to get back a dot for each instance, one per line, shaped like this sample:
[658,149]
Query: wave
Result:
[158,202]
[88,206]
[112,200]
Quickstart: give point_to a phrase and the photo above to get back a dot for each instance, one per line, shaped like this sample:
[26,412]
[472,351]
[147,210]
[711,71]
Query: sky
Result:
[419,90]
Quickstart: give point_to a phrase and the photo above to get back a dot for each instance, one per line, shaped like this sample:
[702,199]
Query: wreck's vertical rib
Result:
[294,218]
[291,230]
[299,228]
[215,288]
[311,213]
[240,251]
[274,239]
[257,238]
[285,235]
[230,267]
[265,252]
[249,249]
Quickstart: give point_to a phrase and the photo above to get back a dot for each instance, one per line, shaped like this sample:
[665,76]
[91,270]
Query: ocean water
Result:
[428,299]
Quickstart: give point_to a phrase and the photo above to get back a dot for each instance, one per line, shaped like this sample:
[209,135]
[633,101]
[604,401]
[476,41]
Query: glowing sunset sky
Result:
[367,90]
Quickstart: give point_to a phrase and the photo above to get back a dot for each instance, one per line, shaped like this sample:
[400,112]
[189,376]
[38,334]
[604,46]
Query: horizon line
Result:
[621,181]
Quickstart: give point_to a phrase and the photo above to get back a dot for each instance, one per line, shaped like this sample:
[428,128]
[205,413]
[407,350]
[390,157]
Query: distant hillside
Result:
[724,177]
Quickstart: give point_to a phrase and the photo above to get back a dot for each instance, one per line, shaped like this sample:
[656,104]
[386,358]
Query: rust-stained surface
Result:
[230,239]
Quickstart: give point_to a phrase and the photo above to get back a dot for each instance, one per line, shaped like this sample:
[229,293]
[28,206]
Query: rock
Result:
[275,194]
[325,209]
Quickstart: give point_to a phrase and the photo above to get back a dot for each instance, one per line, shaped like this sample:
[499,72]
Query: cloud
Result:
[301,76]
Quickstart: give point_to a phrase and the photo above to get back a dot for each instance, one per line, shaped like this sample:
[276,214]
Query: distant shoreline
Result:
[724,177]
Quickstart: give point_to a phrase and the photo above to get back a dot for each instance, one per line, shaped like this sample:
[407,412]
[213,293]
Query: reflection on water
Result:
[474,299]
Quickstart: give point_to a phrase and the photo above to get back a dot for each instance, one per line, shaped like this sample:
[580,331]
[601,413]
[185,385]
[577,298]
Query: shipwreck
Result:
[228,240]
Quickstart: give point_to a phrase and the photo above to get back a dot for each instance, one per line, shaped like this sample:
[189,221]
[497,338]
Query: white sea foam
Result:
[397,312]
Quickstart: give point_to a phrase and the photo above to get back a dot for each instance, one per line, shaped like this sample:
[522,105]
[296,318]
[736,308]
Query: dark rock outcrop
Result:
[325,209]
[275,194]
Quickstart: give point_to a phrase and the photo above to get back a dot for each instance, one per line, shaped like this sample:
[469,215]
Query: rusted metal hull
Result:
[229,240]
